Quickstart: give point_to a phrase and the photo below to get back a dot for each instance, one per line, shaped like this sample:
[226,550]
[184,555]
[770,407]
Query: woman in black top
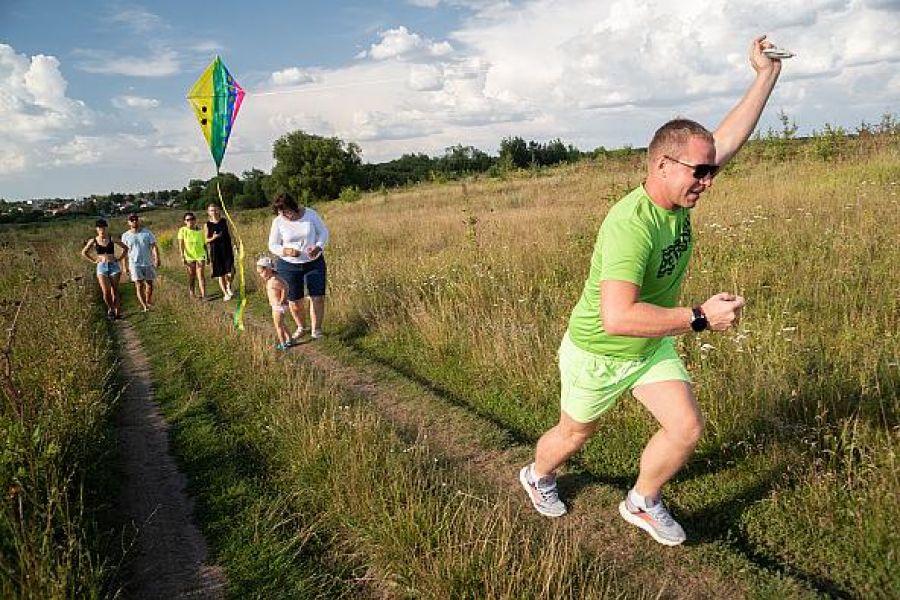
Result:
[108,269]
[221,251]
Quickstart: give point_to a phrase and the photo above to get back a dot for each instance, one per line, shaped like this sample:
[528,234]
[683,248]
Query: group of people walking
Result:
[295,280]
[140,257]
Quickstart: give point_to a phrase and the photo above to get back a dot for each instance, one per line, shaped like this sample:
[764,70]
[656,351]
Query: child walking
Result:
[276,290]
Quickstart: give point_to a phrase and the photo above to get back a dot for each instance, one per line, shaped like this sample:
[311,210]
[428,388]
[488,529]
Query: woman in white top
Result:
[298,238]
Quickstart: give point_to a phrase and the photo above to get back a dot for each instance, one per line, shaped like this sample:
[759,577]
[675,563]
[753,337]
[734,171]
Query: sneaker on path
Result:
[654,519]
[299,333]
[542,493]
[317,334]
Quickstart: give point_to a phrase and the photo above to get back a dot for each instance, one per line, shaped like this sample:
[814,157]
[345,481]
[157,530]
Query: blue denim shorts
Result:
[108,269]
[304,278]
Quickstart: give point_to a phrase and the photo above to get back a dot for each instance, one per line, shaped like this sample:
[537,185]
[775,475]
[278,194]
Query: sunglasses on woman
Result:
[701,171]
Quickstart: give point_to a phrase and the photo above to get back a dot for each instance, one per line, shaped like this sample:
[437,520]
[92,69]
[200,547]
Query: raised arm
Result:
[741,120]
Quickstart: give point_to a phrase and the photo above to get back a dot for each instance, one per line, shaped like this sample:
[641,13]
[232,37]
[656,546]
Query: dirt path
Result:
[168,556]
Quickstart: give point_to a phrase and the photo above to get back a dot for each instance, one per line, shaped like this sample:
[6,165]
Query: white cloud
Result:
[125,102]
[160,63]
[426,78]
[12,160]
[80,150]
[34,108]
[137,19]
[400,42]
[403,125]
[292,76]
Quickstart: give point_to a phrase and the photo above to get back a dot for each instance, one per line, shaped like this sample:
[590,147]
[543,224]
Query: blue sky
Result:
[92,92]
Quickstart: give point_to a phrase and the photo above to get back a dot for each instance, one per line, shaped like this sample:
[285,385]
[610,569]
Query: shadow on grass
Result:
[720,522]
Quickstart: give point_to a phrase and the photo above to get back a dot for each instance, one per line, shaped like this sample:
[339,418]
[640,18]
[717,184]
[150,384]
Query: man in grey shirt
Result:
[143,258]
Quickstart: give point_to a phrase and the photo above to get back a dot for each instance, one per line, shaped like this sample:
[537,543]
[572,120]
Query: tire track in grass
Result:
[169,555]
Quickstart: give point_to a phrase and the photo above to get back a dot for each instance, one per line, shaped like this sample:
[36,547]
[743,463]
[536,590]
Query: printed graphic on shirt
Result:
[673,251]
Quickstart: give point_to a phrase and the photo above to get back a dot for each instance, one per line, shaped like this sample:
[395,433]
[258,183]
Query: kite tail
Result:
[242,295]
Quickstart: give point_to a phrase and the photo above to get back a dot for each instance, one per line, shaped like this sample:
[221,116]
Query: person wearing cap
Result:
[621,332]
[298,238]
[192,244]
[143,258]
[276,290]
[108,270]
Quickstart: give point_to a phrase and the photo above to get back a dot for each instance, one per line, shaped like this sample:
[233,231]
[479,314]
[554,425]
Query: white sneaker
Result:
[655,519]
[301,331]
[542,493]
[228,296]
[317,334]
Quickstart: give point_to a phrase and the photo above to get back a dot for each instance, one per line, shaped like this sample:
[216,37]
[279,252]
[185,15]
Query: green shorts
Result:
[591,383]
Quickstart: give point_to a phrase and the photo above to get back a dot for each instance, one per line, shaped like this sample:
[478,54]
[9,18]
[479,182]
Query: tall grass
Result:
[469,286]
[360,511]
[57,395]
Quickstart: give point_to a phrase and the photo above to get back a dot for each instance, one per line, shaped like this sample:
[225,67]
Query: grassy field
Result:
[305,491]
[468,286]
[459,293]
[58,391]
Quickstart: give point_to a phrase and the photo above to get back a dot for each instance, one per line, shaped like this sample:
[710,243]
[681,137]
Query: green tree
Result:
[514,153]
[253,194]
[313,167]
[228,183]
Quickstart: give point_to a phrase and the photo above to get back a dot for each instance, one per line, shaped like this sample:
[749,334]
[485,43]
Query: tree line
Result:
[313,167]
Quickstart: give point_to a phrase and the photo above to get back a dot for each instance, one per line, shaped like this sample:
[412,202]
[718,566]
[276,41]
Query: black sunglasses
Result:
[189,219]
[132,218]
[700,171]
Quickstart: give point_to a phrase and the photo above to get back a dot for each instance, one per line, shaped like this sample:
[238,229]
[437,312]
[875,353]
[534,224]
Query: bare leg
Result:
[280,330]
[149,292]
[117,300]
[192,278]
[222,285]
[297,312]
[108,297]
[317,312]
[559,443]
[201,278]
[674,406]
[141,292]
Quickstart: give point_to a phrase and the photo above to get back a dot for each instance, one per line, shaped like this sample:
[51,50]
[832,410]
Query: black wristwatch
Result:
[698,319]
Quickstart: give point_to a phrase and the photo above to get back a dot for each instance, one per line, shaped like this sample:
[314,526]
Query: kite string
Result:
[242,291]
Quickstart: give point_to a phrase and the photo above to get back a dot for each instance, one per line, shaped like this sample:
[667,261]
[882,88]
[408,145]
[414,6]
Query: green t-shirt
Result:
[194,243]
[644,244]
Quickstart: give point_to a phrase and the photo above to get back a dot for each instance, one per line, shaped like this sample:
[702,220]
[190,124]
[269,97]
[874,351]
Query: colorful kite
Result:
[216,98]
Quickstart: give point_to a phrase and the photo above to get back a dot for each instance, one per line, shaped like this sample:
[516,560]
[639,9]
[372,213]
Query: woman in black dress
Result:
[221,251]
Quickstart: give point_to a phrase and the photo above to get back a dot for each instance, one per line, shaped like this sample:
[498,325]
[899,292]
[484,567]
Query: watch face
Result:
[698,322]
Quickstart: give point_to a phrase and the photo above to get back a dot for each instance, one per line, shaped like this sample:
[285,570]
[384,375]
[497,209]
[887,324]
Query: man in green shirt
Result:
[620,332]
